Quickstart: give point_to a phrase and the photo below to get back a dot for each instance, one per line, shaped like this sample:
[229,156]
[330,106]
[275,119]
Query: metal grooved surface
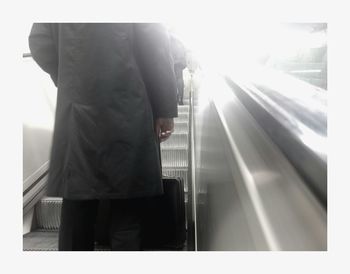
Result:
[174,151]
[41,241]
[181,127]
[48,241]
[182,117]
[48,212]
[176,140]
[174,158]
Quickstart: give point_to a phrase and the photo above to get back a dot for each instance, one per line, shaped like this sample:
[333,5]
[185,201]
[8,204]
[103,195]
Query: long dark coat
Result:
[113,80]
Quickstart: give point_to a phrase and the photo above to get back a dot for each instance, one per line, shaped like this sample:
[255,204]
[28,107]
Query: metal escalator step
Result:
[183,109]
[181,126]
[174,157]
[176,140]
[186,102]
[48,241]
[48,213]
[40,241]
[182,117]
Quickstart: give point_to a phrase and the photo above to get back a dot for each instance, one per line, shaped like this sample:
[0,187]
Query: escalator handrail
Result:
[34,187]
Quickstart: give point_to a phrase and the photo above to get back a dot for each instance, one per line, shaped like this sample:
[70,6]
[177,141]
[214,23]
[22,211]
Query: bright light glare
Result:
[39,97]
[289,89]
[225,46]
[313,140]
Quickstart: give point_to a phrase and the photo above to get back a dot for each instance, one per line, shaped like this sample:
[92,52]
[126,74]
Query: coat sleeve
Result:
[44,49]
[152,49]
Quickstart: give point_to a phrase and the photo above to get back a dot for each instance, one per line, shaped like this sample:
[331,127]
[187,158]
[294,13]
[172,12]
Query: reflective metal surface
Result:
[248,195]
[294,115]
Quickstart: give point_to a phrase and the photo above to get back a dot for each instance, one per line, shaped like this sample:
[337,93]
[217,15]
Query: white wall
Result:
[38,108]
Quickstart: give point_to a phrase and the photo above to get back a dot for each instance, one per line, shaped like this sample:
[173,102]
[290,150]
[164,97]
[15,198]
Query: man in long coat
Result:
[116,100]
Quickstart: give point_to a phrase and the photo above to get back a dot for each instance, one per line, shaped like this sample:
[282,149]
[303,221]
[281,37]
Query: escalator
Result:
[43,235]
[250,147]
[260,162]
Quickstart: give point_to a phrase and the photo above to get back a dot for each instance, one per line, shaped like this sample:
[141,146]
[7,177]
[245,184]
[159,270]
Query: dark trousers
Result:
[78,219]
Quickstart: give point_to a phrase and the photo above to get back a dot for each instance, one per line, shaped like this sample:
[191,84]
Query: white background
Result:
[15,18]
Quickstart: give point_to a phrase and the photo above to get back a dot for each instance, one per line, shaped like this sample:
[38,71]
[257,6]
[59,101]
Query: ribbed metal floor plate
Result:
[176,140]
[174,158]
[48,213]
[41,241]
[182,116]
[181,127]
[48,241]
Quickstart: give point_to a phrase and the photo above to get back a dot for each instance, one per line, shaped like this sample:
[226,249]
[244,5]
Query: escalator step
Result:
[48,212]
[174,158]
[40,241]
[182,117]
[181,127]
[176,140]
[48,241]
[183,109]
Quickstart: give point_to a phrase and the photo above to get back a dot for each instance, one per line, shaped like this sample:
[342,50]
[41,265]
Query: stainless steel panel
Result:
[294,115]
[248,195]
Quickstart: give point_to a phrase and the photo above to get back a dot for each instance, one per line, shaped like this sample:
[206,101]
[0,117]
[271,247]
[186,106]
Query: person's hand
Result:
[164,127]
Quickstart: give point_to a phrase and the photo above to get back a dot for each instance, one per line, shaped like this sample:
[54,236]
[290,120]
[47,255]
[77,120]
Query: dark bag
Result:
[164,221]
